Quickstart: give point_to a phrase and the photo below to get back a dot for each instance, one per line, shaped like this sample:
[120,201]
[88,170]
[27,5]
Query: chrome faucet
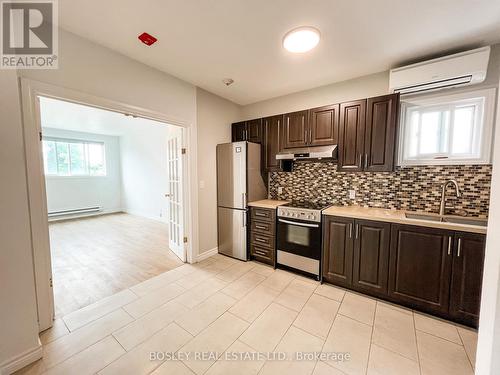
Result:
[442,206]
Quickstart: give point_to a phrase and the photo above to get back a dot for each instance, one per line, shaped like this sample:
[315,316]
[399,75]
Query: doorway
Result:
[114,198]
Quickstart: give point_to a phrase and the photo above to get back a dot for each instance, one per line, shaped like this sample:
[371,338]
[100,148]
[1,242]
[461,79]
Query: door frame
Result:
[37,198]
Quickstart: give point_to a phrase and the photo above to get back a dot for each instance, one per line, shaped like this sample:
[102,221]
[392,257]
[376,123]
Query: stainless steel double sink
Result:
[447,219]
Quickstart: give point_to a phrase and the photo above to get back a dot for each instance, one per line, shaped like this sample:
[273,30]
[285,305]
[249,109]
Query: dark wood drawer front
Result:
[263,214]
[262,240]
[262,254]
[265,227]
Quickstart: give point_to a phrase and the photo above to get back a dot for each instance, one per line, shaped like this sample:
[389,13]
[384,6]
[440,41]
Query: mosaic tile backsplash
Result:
[415,188]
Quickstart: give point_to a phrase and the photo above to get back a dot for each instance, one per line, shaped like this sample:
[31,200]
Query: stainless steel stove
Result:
[299,236]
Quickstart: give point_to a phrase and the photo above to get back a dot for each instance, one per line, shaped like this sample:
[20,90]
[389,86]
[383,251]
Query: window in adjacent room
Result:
[449,129]
[63,157]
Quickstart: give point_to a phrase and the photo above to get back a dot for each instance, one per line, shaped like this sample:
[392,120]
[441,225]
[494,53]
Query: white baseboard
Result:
[24,359]
[207,254]
[138,213]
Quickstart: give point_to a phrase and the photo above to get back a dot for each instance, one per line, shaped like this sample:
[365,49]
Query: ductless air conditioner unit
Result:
[461,69]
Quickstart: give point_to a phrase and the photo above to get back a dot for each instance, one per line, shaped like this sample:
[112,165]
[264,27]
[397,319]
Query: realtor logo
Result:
[29,34]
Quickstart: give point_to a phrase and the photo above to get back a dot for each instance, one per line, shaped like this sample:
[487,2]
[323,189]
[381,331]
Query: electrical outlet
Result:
[280,190]
[352,194]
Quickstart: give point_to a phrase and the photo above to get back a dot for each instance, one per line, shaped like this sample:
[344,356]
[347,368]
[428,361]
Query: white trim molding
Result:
[30,91]
[207,254]
[22,360]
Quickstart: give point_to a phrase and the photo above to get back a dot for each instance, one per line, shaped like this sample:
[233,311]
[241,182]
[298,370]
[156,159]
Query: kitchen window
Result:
[63,157]
[451,129]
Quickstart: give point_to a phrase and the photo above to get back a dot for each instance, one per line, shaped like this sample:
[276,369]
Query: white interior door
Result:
[175,199]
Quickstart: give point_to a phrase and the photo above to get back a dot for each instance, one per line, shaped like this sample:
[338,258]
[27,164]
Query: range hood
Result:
[307,153]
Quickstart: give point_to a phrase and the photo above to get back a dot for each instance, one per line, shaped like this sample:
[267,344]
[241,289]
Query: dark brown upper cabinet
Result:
[250,131]
[272,130]
[420,264]
[254,130]
[351,136]
[338,245]
[371,257]
[324,126]
[367,134]
[467,277]
[380,133]
[239,131]
[295,129]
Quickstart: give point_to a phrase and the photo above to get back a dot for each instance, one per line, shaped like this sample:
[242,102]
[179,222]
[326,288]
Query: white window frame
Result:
[77,141]
[483,143]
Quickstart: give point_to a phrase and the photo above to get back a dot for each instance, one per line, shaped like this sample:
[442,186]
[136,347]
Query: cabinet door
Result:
[380,133]
[337,250]
[324,125]
[295,129]
[254,130]
[272,142]
[351,135]
[239,131]
[467,277]
[420,267]
[371,257]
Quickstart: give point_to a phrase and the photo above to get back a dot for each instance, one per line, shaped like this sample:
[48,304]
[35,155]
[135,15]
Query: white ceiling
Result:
[60,114]
[204,41]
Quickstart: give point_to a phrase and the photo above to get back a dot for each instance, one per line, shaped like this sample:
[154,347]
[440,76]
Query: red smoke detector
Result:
[147,39]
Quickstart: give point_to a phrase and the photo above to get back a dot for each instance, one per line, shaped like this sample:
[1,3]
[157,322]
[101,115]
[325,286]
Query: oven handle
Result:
[299,224]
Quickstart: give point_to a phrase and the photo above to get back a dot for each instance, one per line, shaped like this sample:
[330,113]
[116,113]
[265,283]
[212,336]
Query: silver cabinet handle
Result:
[260,227]
[449,245]
[366,161]
[350,230]
[310,136]
[260,239]
[459,247]
[360,160]
[299,224]
[357,231]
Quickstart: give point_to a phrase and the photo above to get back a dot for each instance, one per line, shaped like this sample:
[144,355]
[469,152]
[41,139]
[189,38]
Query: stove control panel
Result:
[299,213]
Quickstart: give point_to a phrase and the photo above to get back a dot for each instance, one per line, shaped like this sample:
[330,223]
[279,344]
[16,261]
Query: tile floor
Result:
[222,307]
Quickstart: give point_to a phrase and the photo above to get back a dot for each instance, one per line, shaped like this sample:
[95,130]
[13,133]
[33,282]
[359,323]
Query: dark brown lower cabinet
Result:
[433,270]
[420,267]
[371,257]
[337,250]
[262,235]
[467,277]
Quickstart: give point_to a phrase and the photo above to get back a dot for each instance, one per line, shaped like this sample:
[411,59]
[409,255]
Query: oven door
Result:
[299,237]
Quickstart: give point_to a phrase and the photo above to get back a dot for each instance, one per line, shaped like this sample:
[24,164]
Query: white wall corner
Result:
[207,254]
[488,347]
[22,360]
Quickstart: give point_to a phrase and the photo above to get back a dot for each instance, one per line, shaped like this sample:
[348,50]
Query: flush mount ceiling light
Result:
[301,39]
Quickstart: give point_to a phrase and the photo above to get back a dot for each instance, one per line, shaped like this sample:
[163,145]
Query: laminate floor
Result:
[223,316]
[96,257]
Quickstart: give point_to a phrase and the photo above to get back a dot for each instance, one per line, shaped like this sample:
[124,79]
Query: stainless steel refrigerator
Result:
[239,181]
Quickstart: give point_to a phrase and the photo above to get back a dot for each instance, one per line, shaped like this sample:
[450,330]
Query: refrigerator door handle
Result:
[244,221]
[244,197]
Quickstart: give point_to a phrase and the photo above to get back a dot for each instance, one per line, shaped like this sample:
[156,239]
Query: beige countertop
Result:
[267,203]
[396,216]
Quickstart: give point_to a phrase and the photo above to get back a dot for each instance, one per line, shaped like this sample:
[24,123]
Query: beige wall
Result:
[358,88]
[363,87]
[18,316]
[214,118]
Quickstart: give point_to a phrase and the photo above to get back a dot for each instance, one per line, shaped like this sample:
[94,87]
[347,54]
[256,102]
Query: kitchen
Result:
[334,194]
[347,204]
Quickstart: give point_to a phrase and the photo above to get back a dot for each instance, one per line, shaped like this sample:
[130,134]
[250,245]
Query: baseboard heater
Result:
[75,211]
